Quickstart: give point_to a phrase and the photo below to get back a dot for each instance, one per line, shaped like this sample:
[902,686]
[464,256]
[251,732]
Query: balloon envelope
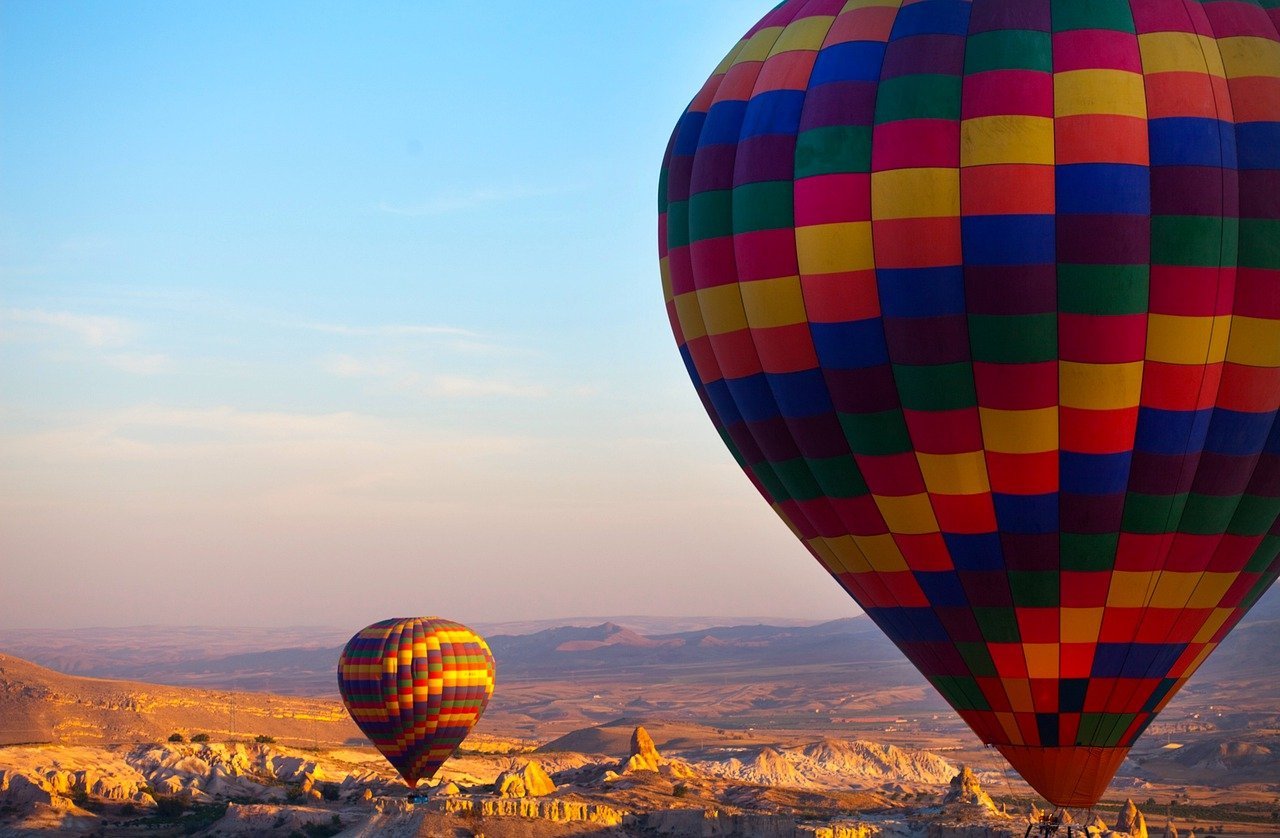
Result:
[984,297]
[416,686]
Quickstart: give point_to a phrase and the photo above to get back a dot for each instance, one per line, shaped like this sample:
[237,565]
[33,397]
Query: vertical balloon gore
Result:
[416,686]
[1066,776]
[984,297]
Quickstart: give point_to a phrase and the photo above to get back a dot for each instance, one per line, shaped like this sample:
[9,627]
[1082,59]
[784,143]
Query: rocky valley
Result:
[263,789]
[608,729]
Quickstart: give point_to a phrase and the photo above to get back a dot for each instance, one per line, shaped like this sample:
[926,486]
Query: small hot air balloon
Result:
[416,686]
[984,297]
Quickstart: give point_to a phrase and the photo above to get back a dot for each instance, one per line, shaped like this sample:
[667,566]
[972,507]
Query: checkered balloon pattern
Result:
[984,297]
[416,686]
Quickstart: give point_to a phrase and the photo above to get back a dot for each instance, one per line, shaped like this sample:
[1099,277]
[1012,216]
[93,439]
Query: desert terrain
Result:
[748,730]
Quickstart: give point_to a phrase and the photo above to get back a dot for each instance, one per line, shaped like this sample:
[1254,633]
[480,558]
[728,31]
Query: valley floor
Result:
[823,788]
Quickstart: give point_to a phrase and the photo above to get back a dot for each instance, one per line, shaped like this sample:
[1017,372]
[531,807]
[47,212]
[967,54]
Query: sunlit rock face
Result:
[966,790]
[530,780]
[1131,822]
[644,756]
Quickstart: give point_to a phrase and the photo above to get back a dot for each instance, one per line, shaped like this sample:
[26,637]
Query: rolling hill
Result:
[39,705]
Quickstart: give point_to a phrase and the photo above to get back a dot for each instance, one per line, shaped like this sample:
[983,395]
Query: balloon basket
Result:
[1054,825]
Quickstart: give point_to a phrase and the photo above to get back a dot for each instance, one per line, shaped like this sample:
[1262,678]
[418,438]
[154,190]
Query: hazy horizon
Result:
[570,620]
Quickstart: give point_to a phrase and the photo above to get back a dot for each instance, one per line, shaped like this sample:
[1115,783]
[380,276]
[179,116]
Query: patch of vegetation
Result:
[202,817]
[1212,815]
[200,737]
[178,811]
[1223,812]
[465,751]
[324,830]
[82,799]
[170,807]
[319,830]
[176,737]
[263,739]
[44,742]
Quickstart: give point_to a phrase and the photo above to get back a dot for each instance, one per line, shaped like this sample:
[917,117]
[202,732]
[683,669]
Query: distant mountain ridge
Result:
[609,647]
[189,654]
[727,653]
[562,651]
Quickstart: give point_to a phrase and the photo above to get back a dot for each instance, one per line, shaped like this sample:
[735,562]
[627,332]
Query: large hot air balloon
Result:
[416,686]
[984,297]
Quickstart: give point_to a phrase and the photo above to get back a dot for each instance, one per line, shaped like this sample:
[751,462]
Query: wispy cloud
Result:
[89,247]
[346,366]
[390,330]
[458,386]
[230,456]
[96,338]
[89,329]
[461,201]
[149,432]
[229,421]
[404,378]
[139,363]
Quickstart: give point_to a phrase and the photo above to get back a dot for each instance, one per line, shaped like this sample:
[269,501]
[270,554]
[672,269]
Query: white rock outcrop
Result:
[832,764]
[46,776]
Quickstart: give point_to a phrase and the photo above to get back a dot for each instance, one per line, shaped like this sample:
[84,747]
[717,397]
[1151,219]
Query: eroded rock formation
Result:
[558,811]
[1131,821]
[967,791]
[530,780]
[644,756]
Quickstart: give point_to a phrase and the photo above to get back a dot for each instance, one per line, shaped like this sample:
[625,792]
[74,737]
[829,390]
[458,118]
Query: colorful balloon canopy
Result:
[416,686]
[984,297]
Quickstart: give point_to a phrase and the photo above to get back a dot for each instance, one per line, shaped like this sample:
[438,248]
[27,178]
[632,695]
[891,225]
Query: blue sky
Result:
[320,313]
